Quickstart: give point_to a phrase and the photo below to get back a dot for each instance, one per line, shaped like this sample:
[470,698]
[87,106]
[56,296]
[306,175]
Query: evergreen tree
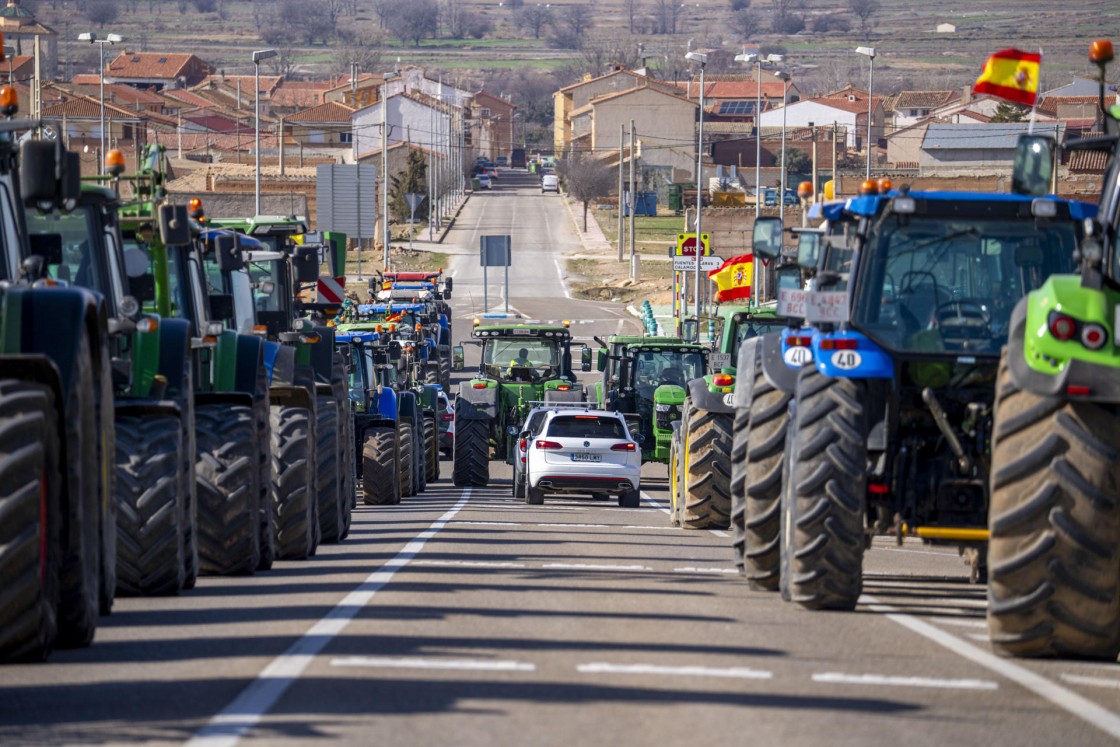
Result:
[1009,112]
[414,178]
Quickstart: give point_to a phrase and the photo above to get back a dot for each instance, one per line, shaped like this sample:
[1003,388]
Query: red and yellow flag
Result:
[733,278]
[1012,75]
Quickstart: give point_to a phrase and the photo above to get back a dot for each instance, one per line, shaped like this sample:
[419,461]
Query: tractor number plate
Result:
[729,399]
[587,457]
[846,359]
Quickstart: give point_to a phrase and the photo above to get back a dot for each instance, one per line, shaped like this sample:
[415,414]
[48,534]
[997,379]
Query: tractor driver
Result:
[521,361]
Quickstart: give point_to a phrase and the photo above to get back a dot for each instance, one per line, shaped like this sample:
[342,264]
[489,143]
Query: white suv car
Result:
[577,450]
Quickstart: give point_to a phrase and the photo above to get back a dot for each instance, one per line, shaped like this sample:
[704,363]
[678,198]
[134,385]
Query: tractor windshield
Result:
[83,264]
[521,358]
[749,328]
[931,284]
[675,367]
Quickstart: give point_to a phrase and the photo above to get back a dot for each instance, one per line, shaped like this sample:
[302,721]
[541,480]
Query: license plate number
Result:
[587,457]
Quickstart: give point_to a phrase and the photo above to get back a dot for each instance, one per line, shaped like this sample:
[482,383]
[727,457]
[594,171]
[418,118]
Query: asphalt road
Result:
[462,617]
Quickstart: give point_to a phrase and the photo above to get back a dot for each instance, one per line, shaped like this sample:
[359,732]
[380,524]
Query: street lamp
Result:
[783,76]
[759,62]
[385,168]
[703,60]
[110,39]
[260,54]
[868,52]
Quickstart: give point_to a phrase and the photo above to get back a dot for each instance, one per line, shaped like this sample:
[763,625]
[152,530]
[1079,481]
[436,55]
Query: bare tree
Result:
[534,18]
[571,26]
[284,63]
[666,13]
[461,22]
[781,14]
[383,9]
[631,12]
[101,12]
[747,23]
[586,179]
[362,49]
[415,20]
[863,10]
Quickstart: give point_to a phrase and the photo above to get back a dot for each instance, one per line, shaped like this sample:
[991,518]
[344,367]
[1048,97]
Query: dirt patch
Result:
[604,278]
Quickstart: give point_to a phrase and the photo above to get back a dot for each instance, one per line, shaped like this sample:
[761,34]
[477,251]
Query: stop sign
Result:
[686,245]
[688,248]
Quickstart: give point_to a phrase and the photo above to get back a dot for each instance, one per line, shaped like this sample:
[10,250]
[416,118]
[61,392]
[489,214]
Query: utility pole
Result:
[621,151]
[633,206]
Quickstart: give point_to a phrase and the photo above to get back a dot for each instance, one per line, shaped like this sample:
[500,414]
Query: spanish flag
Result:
[733,278]
[1012,75]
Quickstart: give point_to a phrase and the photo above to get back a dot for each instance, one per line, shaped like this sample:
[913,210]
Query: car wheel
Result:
[630,499]
[534,496]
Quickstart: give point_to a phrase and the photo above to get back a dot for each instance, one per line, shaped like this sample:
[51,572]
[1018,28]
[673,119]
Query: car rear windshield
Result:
[586,426]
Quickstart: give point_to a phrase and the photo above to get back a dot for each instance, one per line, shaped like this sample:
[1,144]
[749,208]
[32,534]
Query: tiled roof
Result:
[1050,104]
[157,65]
[844,101]
[289,96]
[631,73]
[213,123]
[733,89]
[629,91]
[1089,161]
[331,112]
[925,99]
[186,97]
[84,107]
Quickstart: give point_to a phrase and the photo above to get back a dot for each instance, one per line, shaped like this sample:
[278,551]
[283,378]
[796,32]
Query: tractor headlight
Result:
[663,408]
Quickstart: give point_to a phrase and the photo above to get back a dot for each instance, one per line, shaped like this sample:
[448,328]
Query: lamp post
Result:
[783,76]
[869,52]
[260,54]
[385,169]
[703,60]
[109,39]
[759,62]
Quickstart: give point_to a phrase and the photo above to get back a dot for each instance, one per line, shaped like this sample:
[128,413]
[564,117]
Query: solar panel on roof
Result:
[736,107]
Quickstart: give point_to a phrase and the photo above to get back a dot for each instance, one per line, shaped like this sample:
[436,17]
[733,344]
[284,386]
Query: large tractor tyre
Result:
[431,448]
[151,506]
[431,373]
[738,480]
[445,373]
[106,459]
[189,483]
[227,474]
[420,456]
[406,465]
[381,477]
[347,478]
[266,528]
[471,466]
[707,469]
[80,576]
[330,468]
[828,475]
[764,440]
[293,499]
[31,533]
[1054,553]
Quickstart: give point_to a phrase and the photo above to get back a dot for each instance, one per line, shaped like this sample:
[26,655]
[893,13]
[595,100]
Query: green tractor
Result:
[645,378]
[1054,522]
[700,449]
[308,389]
[521,364]
[56,410]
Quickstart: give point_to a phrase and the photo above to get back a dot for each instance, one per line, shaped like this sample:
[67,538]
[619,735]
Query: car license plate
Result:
[587,457]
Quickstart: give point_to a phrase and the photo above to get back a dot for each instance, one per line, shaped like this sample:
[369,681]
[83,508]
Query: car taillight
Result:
[799,341]
[841,344]
[447,417]
[1093,336]
[1061,326]
[628,446]
[722,379]
[523,444]
[542,444]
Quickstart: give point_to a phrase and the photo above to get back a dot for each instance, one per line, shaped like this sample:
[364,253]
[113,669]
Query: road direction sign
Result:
[685,264]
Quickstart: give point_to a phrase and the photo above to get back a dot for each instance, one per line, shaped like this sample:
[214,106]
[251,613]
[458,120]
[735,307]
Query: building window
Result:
[346,137]
[484,112]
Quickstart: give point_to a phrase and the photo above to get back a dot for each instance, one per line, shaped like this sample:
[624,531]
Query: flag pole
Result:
[1034,106]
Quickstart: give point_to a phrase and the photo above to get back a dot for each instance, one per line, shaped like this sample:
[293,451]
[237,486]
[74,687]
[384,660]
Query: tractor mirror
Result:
[767,238]
[585,359]
[174,225]
[690,328]
[221,307]
[228,253]
[37,178]
[142,287]
[457,358]
[601,360]
[1034,165]
[789,278]
[48,246]
[808,249]
[447,288]
[306,263]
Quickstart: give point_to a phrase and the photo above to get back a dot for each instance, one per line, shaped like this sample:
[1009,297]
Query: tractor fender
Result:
[476,404]
[290,395]
[705,399]
[250,359]
[406,406]
[272,357]
[145,407]
[866,361]
[749,352]
[1102,382]
[569,395]
[322,353]
[777,369]
[174,346]
[244,399]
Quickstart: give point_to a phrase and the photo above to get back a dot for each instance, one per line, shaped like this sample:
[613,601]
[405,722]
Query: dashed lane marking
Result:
[960,623]
[690,569]
[744,673]
[236,720]
[840,678]
[595,567]
[479,665]
[1064,698]
[1080,679]
[471,563]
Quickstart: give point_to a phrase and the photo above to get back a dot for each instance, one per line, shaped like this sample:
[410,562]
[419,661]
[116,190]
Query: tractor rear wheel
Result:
[764,439]
[293,482]
[329,480]
[406,465]
[381,479]
[472,453]
[431,448]
[227,474]
[707,468]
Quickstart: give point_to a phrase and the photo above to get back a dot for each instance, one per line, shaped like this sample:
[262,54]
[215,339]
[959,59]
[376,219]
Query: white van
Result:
[550,183]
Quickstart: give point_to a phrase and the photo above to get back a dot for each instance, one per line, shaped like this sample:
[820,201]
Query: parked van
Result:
[550,183]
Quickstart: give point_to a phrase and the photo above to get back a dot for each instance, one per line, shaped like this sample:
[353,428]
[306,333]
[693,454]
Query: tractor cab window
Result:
[931,285]
[521,359]
[748,328]
[261,273]
[676,368]
[82,261]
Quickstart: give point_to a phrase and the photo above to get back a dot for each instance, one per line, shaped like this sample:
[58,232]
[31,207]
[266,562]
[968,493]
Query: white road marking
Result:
[471,563]
[913,552]
[563,282]
[595,567]
[744,673]
[1080,679]
[960,623]
[561,525]
[719,533]
[840,678]
[1066,699]
[489,523]
[236,720]
[983,637]
[690,569]
[480,665]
